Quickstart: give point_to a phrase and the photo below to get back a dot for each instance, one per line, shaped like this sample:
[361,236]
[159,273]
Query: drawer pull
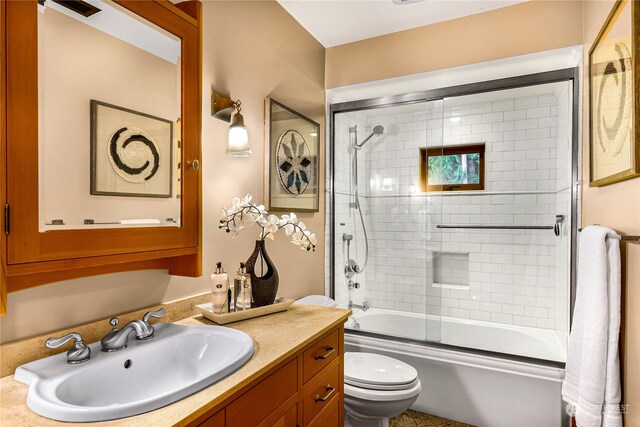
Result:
[330,389]
[329,352]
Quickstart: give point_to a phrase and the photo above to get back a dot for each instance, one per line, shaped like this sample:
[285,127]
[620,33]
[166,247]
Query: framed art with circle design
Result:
[292,144]
[614,102]
[131,152]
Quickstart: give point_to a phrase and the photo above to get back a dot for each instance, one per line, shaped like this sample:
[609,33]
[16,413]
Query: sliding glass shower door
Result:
[382,234]
[506,220]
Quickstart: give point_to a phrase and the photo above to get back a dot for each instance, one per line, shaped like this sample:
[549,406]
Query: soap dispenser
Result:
[219,288]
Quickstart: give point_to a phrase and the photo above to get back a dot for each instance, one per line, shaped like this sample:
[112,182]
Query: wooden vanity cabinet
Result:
[304,390]
[30,257]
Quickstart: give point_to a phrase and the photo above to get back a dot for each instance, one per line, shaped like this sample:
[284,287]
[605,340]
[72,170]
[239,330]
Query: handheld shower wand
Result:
[352,268]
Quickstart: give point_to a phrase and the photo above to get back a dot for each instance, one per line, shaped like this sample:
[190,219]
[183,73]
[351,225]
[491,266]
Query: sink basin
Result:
[177,362]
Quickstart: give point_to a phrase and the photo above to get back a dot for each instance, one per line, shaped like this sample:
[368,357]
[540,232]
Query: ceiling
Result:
[336,22]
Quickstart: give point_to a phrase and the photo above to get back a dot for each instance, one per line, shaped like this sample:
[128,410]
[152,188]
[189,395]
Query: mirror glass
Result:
[109,118]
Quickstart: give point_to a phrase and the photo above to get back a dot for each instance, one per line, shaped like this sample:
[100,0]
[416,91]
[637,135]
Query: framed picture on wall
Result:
[614,103]
[292,145]
[131,152]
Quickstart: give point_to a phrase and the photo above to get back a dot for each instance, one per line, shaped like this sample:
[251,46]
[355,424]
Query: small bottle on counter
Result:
[242,289]
[248,295]
[219,288]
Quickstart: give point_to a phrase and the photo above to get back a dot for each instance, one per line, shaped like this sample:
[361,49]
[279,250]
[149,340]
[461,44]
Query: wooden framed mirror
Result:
[85,105]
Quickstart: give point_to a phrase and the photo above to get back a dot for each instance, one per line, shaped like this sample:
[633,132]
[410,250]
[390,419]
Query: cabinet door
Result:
[264,399]
[216,420]
[30,251]
[289,419]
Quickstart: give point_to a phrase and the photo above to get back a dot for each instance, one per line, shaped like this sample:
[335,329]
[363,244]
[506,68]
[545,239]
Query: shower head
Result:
[377,130]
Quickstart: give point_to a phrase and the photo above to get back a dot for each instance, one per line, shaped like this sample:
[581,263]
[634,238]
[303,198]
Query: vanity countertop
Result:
[276,337]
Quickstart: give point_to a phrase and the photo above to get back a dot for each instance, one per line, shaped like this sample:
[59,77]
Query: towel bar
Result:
[497,227]
[620,237]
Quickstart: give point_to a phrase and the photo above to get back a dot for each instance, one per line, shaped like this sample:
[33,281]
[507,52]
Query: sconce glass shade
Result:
[238,142]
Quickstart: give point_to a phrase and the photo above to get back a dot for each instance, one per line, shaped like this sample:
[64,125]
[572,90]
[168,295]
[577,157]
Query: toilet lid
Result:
[378,372]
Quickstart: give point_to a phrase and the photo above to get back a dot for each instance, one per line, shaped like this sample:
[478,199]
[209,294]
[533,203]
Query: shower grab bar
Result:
[497,227]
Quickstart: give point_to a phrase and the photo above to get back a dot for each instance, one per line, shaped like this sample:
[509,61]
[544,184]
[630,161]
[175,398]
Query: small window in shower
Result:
[452,168]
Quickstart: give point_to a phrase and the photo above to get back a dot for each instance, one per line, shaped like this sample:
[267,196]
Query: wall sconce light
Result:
[224,108]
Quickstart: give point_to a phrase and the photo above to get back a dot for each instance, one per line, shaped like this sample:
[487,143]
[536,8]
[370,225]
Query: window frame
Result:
[425,153]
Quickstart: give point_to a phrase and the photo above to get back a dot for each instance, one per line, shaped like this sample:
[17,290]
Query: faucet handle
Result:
[114,323]
[157,314]
[78,353]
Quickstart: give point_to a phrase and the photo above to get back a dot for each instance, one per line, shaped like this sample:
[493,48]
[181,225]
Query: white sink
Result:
[177,362]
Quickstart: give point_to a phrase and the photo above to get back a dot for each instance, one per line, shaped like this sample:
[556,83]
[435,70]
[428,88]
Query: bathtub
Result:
[477,388]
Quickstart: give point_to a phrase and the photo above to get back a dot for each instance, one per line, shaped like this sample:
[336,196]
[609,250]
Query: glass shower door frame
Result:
[571,75]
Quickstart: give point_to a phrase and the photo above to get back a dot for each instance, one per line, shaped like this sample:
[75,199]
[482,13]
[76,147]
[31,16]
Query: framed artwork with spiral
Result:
[131,152]
[292,145]
[614,100]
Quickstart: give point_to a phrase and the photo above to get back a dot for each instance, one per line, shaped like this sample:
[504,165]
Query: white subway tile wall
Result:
[518,277]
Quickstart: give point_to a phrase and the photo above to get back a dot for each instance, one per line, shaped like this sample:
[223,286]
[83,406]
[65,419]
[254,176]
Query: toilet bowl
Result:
[377,387]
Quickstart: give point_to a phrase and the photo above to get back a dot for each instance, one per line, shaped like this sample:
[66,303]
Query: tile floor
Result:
[411,418]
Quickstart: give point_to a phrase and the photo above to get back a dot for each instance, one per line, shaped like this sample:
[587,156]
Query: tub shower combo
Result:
[451,231]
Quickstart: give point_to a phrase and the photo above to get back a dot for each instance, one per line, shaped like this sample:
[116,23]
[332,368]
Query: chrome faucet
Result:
[363,307]
[77,354]
[116,339]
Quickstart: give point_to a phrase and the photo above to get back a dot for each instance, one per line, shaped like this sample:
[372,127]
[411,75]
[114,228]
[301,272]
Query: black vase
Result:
[265,288]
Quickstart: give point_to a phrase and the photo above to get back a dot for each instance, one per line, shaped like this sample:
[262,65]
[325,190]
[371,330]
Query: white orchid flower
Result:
[310,237]
[270,226]
[289,229]
[243,214]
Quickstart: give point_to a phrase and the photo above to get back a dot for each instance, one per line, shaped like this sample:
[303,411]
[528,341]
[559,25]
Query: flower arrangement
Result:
[243,214]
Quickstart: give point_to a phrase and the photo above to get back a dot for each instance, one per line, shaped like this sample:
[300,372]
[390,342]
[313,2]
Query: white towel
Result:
[592,378]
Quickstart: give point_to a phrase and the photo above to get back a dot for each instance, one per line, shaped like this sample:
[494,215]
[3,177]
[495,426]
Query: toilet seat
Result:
[382,395]
[378,372]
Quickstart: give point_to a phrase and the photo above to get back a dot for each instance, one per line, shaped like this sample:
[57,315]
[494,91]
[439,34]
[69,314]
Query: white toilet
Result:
[376,387]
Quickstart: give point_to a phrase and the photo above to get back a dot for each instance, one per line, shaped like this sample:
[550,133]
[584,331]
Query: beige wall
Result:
[251,50]
[525,28]
[616,206]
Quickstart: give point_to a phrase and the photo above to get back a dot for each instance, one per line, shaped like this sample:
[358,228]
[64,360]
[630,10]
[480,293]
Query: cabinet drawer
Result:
[319,355]
[263,399]
[321,395]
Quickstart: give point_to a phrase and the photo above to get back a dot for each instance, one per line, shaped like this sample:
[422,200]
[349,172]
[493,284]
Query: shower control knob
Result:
[356,285]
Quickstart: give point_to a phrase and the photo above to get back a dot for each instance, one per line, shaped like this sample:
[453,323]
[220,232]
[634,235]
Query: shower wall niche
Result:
[430,254]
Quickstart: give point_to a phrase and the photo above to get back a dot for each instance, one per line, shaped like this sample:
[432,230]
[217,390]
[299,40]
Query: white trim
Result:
[539,62]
